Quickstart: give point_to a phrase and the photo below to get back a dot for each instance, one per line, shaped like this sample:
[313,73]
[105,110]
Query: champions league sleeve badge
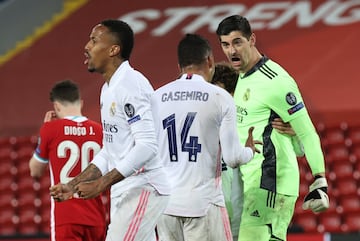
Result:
[130,112]
[291,98]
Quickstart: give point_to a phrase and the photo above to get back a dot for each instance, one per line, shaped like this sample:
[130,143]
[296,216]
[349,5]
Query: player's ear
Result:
[56,106]
[211,65]
[252,39]
[114,50]
[211,62]
[180,69]
[81,103]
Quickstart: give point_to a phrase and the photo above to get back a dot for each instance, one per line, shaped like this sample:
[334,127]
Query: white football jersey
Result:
[192,118]
[129,138]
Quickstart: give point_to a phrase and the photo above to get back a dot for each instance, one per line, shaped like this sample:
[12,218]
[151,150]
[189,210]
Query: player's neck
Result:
[111,69]
[192,69]
[255,58]
[71,112]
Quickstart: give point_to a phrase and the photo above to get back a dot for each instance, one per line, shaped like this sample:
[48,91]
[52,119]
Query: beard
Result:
[91,69]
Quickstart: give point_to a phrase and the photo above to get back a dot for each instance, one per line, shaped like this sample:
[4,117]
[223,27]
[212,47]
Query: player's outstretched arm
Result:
[250,142]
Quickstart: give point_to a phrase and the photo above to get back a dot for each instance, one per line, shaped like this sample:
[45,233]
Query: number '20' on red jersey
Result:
[68,145]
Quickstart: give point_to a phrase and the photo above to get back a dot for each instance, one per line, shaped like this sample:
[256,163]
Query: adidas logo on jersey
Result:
[255,214]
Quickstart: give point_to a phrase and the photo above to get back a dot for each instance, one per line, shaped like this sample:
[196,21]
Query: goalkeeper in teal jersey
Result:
[265,92]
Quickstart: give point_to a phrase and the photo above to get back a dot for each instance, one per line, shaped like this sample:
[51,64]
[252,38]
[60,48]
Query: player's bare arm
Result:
[36,168]
[62,192]
[282,127]
[91,189]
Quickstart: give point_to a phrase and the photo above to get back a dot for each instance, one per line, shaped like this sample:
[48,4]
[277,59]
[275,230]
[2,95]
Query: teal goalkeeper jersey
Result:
[262,94]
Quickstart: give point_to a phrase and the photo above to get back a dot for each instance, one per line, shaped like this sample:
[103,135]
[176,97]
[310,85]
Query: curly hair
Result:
[225,75]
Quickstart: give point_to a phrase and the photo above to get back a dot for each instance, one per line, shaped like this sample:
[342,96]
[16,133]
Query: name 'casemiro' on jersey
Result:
[185,96]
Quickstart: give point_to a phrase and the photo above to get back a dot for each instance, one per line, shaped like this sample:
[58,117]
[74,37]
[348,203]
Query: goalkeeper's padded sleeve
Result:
[317,199]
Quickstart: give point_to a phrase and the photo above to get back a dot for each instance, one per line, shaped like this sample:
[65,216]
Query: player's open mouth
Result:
[87,56]
[235,61]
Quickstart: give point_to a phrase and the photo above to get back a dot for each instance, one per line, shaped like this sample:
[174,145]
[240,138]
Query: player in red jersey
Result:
[67,143]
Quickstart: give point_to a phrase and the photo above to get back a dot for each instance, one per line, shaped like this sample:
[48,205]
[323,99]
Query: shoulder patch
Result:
[296,108]
[129,110]
[291,98]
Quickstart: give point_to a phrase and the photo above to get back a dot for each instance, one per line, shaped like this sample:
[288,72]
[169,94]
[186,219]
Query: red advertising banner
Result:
[316,41]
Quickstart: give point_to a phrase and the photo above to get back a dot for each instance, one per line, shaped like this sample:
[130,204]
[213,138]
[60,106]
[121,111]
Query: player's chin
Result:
[236,65]
[91,69]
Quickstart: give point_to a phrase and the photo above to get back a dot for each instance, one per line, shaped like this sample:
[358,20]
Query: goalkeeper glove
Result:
[317,199]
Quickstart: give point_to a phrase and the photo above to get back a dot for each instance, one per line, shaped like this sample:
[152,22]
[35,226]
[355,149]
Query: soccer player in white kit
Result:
[192,118]
[128,162]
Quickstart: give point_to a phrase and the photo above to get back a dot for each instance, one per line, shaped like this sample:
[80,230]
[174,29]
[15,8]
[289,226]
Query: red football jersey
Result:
[68,145]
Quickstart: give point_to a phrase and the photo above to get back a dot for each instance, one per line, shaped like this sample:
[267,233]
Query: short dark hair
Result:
[123,34]
[65,91]
[227,75]
[193,50]
[234,23]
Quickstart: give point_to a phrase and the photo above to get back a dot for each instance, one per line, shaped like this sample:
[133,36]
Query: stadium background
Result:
[316,41]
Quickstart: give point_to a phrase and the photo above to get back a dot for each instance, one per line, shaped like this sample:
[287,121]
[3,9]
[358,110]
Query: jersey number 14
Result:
[192,146]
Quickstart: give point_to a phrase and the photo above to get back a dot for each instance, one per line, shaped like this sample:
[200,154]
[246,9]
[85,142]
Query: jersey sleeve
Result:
[307,134]
[286,99]
[298,146]
[287,102]
[233,152]
[137,110]
[100,161]
[41,152]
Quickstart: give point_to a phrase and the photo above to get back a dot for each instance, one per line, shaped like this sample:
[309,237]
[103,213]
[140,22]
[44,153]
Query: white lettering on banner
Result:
[138,25]
[177,15]
[263,15]
[336,18]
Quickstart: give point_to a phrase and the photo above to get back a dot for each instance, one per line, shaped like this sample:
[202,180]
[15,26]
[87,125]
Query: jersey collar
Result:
[76,118]
[120,71]
[191,77]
